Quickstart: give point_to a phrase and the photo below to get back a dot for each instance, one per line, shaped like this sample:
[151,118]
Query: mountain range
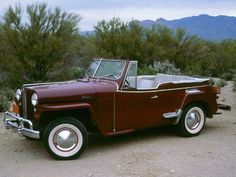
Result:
[205,26]
[215,28]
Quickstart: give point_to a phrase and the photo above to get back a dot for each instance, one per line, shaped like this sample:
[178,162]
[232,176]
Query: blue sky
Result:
[93,11]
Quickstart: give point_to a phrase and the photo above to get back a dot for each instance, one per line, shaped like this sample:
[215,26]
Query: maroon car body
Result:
[111,99]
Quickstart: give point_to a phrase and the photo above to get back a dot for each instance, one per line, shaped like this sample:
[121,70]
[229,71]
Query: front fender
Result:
[64,107]
[68,106]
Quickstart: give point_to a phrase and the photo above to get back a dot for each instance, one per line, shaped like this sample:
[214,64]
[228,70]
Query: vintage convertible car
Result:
[112,100]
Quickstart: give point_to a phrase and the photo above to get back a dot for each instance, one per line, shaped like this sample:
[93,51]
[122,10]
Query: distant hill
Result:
[205,26]
[86,33]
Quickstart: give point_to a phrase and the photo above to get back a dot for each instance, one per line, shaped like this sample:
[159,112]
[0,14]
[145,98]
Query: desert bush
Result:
[166,67]
[6,97]
[234,84]
[148,70]
[228,75]
[4,103]
[160,67]
[67,73]
[218,82]
[78,72]
[38,43]
[47,46]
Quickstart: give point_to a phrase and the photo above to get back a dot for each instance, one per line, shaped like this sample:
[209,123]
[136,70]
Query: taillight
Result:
[216,91]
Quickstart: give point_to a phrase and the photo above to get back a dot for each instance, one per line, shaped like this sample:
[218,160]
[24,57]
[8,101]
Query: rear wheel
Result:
[192,120]
[65,138]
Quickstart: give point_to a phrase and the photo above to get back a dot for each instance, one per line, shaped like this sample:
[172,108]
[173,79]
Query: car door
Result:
[142,109]
[136,109]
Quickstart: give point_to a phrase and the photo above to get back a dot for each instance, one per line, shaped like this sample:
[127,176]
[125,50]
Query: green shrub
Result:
[229,75]
[218,82]
[160,67]
[78,72]
[4,103]
[148,70]
[234,84]
[166,68]
[67,73]
[6,97]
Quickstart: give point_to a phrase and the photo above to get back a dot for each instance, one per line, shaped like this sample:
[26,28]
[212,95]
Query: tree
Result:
[116,39]
[159,44]
[37,44]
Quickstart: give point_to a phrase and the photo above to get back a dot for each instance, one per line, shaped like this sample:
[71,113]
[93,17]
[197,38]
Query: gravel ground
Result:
[150,153]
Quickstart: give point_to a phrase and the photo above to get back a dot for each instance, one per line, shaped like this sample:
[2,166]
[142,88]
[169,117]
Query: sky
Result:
[93,11]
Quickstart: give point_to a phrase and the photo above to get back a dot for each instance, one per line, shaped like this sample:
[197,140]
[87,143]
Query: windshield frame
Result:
[98,66]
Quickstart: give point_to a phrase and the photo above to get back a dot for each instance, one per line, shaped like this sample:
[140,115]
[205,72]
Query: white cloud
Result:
[92,16]
[93,11]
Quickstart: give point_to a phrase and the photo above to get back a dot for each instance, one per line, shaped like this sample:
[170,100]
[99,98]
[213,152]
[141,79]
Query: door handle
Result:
[154,97]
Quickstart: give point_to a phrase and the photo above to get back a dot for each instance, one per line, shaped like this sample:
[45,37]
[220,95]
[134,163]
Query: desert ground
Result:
[150,153]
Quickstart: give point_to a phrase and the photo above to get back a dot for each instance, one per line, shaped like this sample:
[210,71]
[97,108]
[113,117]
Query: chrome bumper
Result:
[17,123]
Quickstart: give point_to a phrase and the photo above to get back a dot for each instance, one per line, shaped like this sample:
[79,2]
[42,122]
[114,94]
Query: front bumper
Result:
[17,123]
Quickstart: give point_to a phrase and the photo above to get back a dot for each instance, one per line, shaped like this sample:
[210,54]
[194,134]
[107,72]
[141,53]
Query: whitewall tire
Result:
[192,120]
[65,138]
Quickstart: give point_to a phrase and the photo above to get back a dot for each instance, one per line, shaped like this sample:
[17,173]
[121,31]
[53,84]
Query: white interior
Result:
[153,81]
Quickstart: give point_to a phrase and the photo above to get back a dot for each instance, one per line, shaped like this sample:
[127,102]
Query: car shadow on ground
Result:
[100,144]
[98,141]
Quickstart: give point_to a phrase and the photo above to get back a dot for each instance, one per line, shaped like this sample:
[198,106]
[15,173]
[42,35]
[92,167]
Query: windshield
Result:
[111,69]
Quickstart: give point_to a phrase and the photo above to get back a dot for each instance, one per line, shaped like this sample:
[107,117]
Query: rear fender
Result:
[198,96]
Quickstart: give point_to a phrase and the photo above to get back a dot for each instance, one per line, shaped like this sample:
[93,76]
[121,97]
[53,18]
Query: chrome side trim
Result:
[17,123]
[154,97]
[193,91]
[173,115]
[161,90]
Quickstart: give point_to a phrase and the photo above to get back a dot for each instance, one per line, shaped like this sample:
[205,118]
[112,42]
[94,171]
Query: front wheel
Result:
[192,120]
[65,138]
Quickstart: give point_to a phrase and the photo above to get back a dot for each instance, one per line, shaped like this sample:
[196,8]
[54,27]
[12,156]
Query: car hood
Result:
[68,91]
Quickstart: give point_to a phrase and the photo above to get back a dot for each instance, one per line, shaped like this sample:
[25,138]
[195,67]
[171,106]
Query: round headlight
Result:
[18,94]
[34,99]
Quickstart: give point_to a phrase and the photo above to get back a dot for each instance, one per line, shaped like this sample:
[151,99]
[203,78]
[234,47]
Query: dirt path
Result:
[152,153]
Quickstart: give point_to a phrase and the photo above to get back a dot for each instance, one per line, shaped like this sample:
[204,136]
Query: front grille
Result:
[24,104]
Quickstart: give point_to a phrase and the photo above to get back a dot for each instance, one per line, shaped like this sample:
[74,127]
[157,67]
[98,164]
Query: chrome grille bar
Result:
[24,104]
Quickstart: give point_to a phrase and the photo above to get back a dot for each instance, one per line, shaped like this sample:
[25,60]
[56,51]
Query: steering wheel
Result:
[115,75]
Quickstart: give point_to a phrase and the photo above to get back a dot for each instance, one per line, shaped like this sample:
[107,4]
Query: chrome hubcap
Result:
[193,120]
[65,139]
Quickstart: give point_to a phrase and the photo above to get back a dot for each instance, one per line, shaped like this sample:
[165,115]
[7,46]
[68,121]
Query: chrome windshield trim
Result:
[100,62]
[97,67]
[130,62]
